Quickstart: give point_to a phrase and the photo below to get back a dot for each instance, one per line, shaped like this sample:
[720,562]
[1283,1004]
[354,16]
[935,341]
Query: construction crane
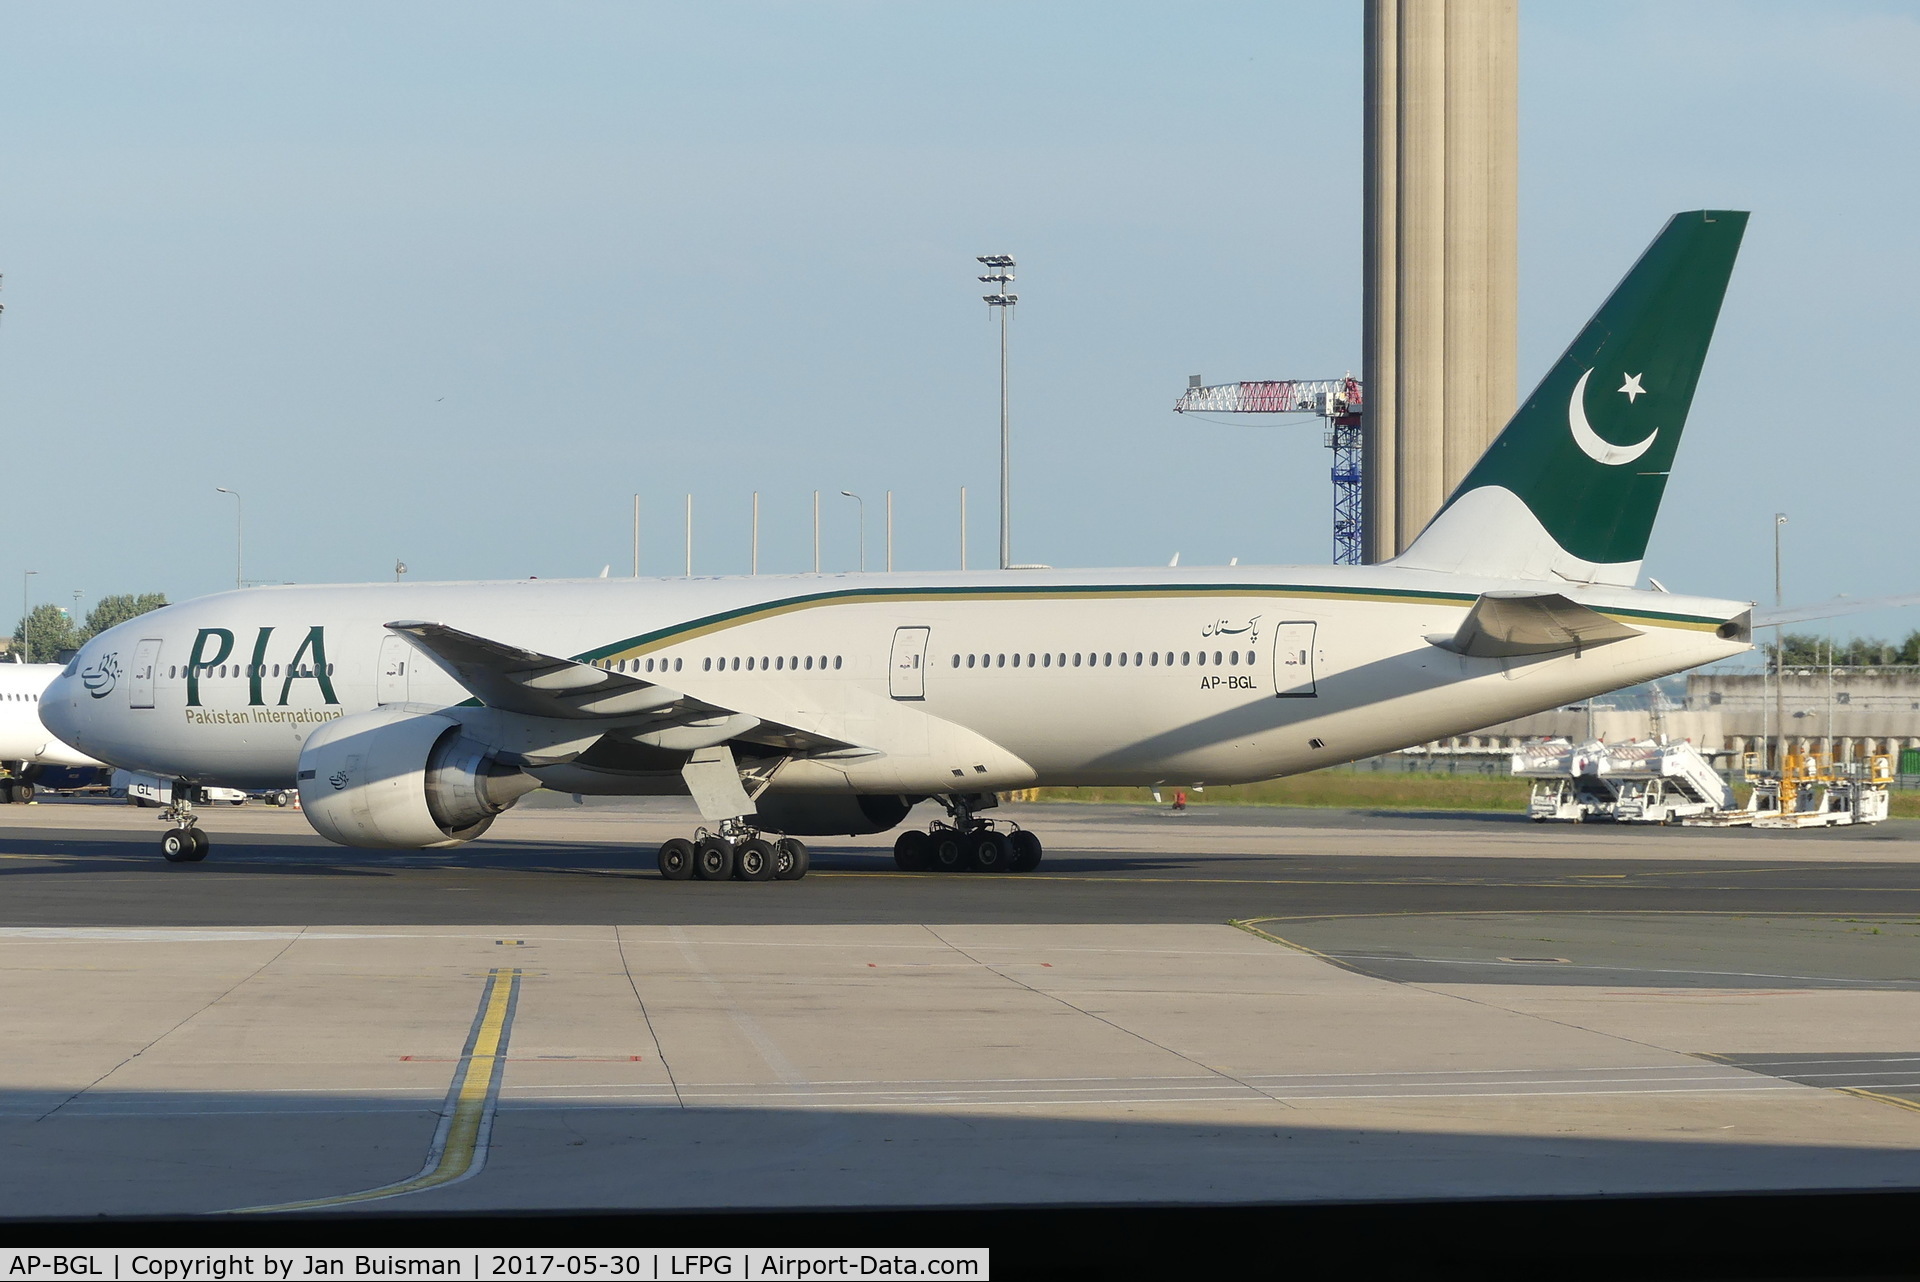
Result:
[1337,400]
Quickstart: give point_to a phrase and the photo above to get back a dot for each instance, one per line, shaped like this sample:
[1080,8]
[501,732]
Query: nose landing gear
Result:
[183,843]
[737,852]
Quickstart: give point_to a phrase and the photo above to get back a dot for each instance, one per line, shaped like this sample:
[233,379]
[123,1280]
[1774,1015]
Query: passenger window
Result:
[676,665]
[1136,658]
[1123,658]
[1153,660]
[1076,658]
[1185,656]
[1233,658]
[1106,660]
[763,663]
[956,660]
[1046,660]
[836,663]
[1216,657]
[809,663]
[1000,661]
[970,659]
[707,664]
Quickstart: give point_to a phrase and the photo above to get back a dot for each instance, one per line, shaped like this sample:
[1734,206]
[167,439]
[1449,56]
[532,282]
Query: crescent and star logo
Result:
[102,676]
[1591,443]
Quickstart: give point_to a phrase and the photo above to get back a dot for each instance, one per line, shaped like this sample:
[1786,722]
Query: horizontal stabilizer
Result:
[1504,625]
[1831,609]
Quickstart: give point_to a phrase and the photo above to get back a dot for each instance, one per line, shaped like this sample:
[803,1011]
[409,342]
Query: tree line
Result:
[47,632]
[1804,650]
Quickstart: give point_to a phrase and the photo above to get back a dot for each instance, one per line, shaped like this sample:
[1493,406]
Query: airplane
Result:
[409,715]
[29,754]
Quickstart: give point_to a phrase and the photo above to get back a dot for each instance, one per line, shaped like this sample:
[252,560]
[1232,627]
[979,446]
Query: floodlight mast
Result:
[1001,273]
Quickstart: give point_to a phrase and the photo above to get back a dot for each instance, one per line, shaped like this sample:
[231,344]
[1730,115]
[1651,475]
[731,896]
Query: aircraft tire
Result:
[792,859]
[949,853]
[676,859]
[755,860]
[713,860]
[987,851]
[177,846]
[201,844]
[23,793]
[911,850]
[6,792]
[1026,852]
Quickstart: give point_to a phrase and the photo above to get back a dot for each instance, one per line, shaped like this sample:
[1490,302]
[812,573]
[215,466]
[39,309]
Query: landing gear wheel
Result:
[987,851]
[949,853]
[201,844]
[911,850]
[676,859]
[791,859]
[1024,850]
[754,860]
[177,846]
[23,793]
[712,860]
[6,792]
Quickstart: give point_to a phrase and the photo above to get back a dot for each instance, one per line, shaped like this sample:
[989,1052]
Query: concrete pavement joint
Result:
[1055,997]
[178,1025]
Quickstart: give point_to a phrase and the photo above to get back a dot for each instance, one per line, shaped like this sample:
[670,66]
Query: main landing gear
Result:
[967,844]
[738,852]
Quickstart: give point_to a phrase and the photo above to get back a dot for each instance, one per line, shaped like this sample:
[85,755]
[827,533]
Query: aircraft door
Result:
[392,680]
[907,671]
[1293,661]
[146,658]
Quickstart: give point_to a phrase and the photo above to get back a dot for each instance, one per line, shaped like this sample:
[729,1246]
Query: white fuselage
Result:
[23,739]
[1190,675]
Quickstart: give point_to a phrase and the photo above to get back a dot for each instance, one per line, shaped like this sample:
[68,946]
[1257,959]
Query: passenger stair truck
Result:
[1647,781]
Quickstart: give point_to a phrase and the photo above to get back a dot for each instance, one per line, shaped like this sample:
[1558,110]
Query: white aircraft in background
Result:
[26,746]
[409,715]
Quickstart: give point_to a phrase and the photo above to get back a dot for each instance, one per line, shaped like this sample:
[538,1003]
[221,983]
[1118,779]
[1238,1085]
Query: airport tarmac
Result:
[1244,1005]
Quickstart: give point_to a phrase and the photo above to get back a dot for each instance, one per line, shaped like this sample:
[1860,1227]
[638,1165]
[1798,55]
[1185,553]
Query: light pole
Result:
[1779,656]
[1001,274]
[26,595]
[239,537]
[863,526]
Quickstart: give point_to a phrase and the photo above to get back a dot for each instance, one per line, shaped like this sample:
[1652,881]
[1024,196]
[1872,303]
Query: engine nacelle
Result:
[397,780]
[827,814]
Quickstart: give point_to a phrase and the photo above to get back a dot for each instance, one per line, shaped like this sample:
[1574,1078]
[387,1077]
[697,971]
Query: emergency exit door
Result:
[1293,661]
[907,671]
[391,680]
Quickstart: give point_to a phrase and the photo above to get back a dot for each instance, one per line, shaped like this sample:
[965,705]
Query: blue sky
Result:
[451,283]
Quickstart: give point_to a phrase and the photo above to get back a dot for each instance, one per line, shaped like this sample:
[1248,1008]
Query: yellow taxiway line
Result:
[459,1149]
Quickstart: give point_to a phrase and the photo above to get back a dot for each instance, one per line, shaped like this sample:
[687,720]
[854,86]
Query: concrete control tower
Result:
[1442,140]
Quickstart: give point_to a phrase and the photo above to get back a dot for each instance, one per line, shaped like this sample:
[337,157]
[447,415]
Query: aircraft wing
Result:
[1509,624]
[540,685]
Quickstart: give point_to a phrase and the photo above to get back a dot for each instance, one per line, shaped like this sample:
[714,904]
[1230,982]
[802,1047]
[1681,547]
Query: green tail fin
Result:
[1571,486]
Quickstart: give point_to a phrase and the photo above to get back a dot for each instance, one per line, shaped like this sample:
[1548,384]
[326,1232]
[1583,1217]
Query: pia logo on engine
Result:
[339,779]
[101,678]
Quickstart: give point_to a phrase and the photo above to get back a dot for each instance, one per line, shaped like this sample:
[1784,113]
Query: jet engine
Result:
[397,780]
[818,814]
